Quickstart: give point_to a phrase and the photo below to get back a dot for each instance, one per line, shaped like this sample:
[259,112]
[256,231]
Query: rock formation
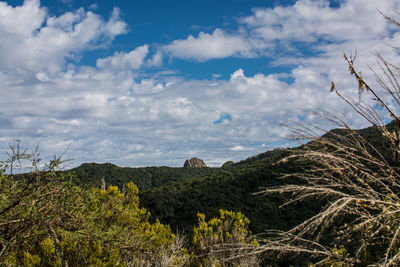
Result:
[194,163]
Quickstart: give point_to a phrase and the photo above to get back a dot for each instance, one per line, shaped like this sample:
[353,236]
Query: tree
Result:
[359,180]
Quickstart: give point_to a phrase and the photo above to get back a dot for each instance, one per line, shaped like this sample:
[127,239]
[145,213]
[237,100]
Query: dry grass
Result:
[361,185]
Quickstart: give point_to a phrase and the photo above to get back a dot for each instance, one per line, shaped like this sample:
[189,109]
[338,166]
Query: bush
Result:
[224,241]
[45,220]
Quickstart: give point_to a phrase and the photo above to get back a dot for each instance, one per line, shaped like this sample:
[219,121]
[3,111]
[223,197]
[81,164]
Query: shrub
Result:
[45,220]
[224,241]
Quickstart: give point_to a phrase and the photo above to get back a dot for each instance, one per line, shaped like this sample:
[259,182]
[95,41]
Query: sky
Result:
[153,83]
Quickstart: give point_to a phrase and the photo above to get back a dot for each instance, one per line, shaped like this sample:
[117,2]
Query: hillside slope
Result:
[91,174]
[175,195]
[178,203]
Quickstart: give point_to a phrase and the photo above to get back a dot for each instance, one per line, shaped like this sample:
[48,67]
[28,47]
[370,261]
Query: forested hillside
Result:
[91,174]
[175,195]
[47,220]
[235,188]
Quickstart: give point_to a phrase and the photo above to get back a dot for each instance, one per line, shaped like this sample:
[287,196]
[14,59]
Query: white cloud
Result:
[308,21]
[206,46]
[156,60]
[93,6]
[238,148]
[114,26]
[132,60]
[167,114]
[29,17]
[33,41]
[112,113]
[276,32]
[317,25]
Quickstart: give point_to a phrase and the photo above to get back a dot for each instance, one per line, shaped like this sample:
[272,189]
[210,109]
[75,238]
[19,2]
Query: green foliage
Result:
[233,189]
[91,174]
[177,204]
[31,209]
[224,240]
[45,220]
[113,216]
[230,227]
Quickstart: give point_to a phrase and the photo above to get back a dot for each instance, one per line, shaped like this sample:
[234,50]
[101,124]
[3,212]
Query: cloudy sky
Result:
[151,83]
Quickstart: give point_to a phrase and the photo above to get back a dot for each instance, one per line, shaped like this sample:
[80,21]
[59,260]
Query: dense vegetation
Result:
[47,220]
[233,189]
[175,195]
[178,203]
[91,174]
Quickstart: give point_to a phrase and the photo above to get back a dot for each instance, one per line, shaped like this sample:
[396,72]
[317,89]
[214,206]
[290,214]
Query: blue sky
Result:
[143,83]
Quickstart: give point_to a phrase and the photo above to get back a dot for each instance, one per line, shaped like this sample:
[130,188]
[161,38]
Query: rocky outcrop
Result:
[227,164]
[194,163]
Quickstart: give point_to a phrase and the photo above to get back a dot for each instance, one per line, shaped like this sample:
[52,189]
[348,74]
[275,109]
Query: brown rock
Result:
[194,163]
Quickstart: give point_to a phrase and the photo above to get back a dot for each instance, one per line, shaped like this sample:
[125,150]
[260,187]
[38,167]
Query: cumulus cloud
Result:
[276,32]
[33,41]
[111,112]
[308,21]
[29,17]
[165,117]
[206,46]
[132,60]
